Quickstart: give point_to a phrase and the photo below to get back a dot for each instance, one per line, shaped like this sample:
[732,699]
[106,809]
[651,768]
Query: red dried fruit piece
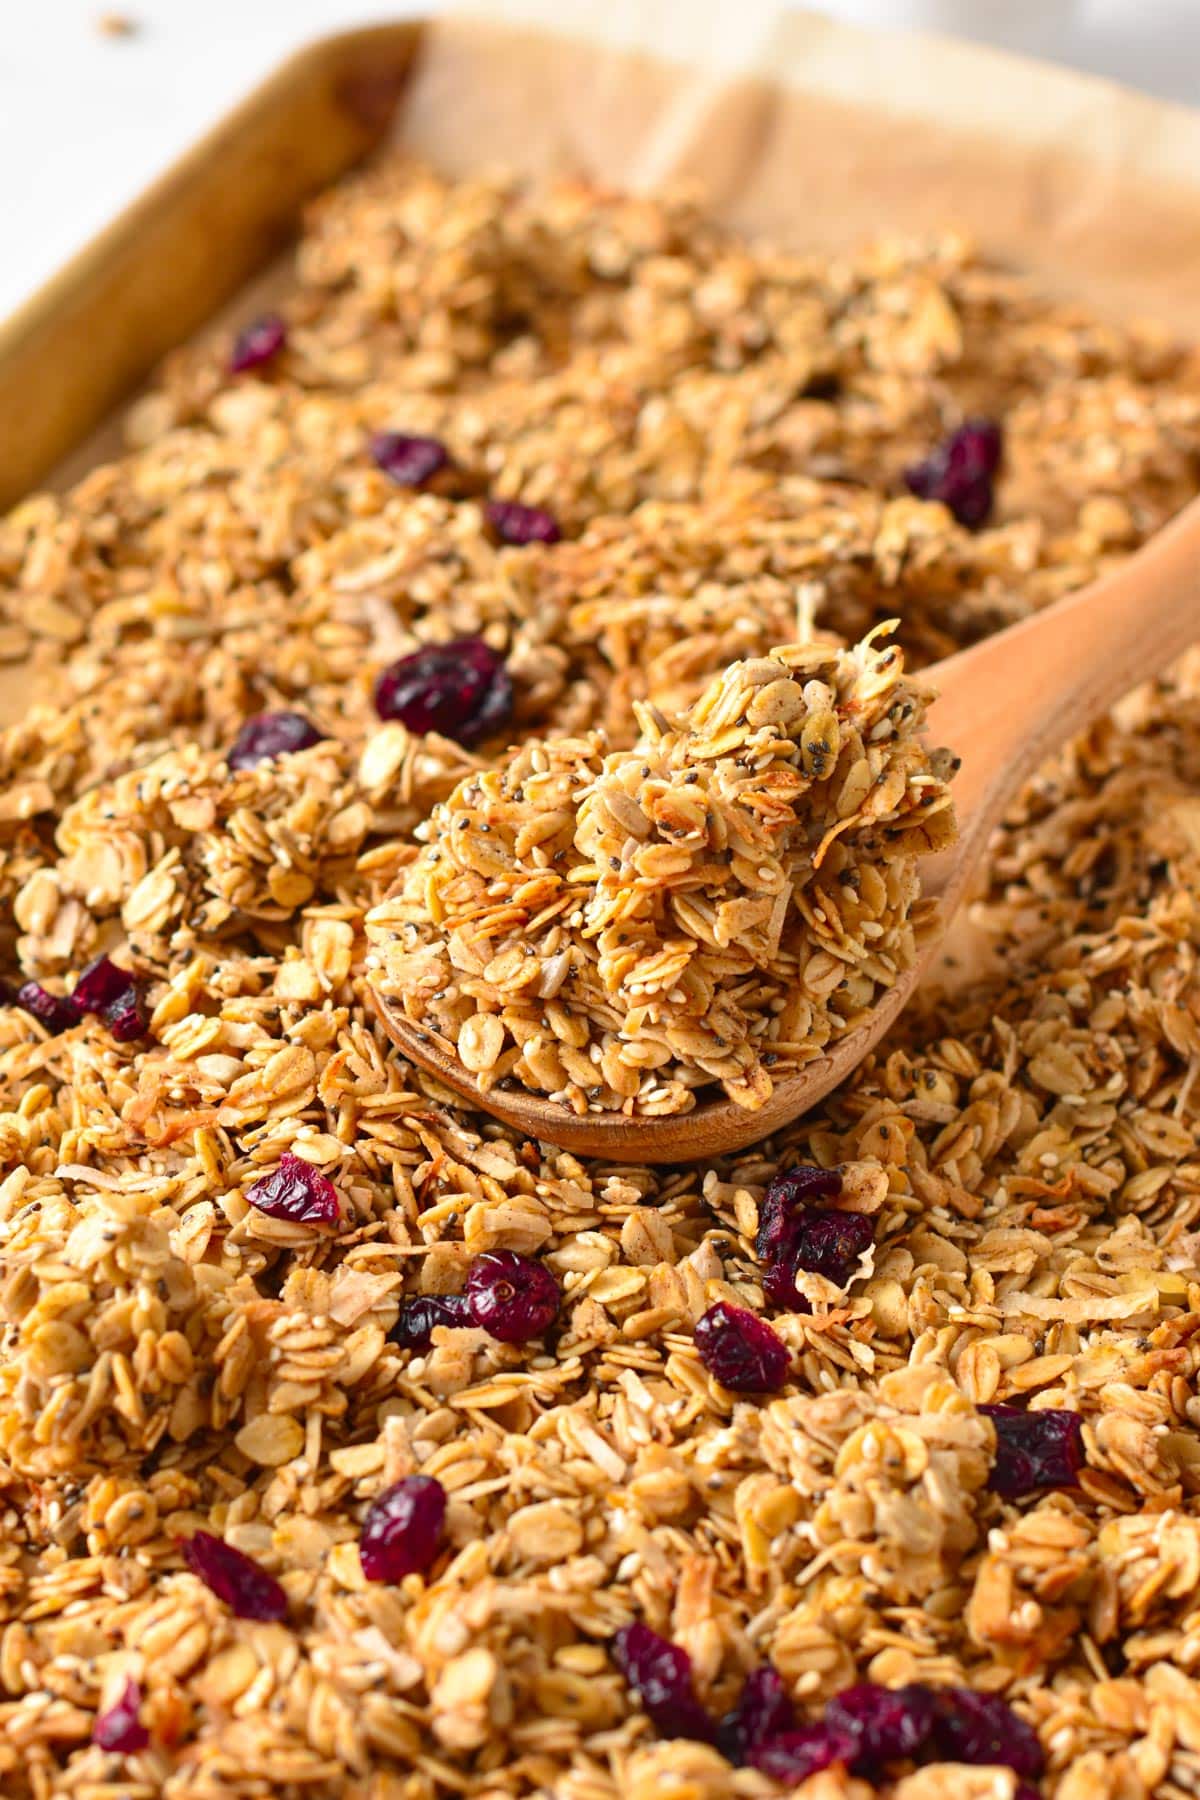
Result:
[257,343]
[660,1674]
[125,1018]
[779,1286]
[888,1724]
[828,1243]
[512,1297]
[764,1711]
[795,1755]
[823,1243]
[788,1195]
[794,1235]
[408,460]
[402,1532]
[461,690]
[521,525]
[1042,1449]
[741,1350]
[266,735]
[969,1727]
[296,1191]
[419,1315]
[102,984]
[51,1010]
[246,1589]
[960,472]
[111,991]
[118,1727]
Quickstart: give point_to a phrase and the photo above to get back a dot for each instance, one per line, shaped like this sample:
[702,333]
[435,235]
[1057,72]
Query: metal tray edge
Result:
[165,264]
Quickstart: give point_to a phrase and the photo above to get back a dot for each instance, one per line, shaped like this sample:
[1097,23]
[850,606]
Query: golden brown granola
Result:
[720,430]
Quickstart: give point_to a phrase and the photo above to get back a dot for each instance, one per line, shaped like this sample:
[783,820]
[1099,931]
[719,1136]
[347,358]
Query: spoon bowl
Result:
[1003,706]
[711,1128]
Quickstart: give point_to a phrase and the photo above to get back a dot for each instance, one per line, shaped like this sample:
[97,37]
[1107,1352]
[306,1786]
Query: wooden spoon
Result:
[1003,706]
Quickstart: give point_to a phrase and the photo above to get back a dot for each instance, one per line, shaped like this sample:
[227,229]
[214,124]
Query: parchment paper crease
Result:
[820,133]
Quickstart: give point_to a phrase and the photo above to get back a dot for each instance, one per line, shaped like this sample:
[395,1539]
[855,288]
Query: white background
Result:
[86,120]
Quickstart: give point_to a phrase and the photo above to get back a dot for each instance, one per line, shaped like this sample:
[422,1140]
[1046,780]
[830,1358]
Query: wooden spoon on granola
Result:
[1004,706]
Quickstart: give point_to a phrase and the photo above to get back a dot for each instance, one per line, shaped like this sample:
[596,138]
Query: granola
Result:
[710,906]
[720,432]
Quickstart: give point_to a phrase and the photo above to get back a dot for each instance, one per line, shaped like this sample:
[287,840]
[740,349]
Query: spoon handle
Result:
[1006,704]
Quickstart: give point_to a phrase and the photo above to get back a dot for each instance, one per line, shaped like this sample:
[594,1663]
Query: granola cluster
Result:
[716,903]
[221,1423]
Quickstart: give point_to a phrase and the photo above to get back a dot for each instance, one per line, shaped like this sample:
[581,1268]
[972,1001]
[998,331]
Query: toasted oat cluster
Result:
[353,1447]
[619,930]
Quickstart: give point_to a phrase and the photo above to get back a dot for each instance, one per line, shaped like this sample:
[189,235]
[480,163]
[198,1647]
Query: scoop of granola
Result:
[620,929]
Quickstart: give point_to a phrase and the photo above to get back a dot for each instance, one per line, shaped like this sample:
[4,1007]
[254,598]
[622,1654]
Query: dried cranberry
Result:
[821,1243]
[787,1195]
[101,985]
[402,1532]
[960,472]
[511,1297]
[741,1350]
[461,690]
[1034,1449]
[51,1010]
[257,343]
[296,1191]
[779,1286]
[419,1315]
[118,1727]
[409,461]
[102,988]
[794,1235]
[795,1755]
[1024,1791]
[125,1018]
[982,1728]
[660,1674]
[830,1243]
[764,1711]
[888,1724]
[269,734]
[517,524]
[247,1590]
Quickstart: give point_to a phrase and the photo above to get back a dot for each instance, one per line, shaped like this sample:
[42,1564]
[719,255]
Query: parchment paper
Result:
[821,134]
